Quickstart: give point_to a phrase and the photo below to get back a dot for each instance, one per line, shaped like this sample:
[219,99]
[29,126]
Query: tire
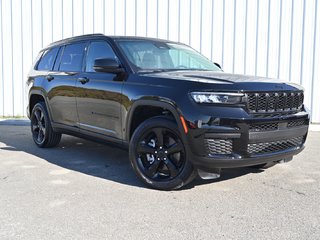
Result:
[42,132]
[159,156]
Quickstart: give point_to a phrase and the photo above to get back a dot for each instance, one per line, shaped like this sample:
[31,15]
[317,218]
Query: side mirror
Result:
[108,65]
[218,65]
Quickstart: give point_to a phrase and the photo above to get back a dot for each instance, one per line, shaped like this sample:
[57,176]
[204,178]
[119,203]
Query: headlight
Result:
[217,97]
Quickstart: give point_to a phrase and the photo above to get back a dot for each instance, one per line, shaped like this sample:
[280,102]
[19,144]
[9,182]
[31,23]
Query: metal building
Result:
[273,38]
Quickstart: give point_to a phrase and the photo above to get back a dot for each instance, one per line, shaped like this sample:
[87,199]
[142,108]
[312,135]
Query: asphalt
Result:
[85,190]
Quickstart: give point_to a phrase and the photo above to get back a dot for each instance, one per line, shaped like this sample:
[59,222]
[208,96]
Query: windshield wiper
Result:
[151,70]
[170,70]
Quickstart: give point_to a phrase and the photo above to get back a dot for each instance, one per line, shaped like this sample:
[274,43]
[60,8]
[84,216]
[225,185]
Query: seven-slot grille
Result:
[274,101]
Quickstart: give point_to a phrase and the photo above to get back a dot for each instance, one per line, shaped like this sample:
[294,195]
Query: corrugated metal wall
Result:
[274,38]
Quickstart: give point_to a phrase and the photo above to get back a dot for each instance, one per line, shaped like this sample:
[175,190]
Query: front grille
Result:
[260,127]
[270,147]
[218,146]
[297,123]
[275,102]
[263,127]
[273,114]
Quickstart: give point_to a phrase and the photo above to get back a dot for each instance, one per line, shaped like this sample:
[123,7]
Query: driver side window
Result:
[99,49]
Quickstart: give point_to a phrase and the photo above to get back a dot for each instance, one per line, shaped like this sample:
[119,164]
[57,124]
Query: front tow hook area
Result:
[285,160]
[213,174]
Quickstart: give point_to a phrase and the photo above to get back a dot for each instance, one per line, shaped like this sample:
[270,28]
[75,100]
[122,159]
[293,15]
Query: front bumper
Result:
[213,163]
[245,142]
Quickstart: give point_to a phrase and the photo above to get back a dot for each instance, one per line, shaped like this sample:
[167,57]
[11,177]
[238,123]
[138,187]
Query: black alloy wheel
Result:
[158,154]
[161,154]
[38,126]
[42,132]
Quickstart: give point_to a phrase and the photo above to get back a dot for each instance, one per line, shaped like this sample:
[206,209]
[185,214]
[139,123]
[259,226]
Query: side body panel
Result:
[61,95]
[98,103]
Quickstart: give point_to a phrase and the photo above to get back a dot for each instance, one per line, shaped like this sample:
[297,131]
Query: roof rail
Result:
[75,38]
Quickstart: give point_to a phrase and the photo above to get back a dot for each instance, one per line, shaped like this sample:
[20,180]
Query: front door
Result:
[99,95]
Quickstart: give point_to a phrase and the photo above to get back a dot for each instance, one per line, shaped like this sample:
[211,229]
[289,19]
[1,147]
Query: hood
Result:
[213,77]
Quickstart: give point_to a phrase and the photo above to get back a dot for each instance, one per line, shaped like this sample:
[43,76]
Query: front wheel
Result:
[158,155]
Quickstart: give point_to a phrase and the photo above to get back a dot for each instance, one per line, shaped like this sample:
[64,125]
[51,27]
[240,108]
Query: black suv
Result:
[178,113]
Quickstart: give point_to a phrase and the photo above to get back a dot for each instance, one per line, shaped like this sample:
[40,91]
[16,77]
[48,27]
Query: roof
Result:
[100,36]
[138,38]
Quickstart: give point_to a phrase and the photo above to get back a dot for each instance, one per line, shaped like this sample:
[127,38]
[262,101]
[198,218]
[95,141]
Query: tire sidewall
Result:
[187,170]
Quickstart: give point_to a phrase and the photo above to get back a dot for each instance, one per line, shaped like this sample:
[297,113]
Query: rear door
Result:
[61,84]
[99,94]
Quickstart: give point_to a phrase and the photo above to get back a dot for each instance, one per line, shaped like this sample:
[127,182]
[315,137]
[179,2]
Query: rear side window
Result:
[72,57]
[57,62]
[47,60]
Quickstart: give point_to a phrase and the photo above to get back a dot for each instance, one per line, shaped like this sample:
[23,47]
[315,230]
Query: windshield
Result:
[148,55]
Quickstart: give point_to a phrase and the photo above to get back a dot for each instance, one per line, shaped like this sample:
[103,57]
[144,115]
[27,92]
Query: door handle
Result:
[83,80]
[49,78]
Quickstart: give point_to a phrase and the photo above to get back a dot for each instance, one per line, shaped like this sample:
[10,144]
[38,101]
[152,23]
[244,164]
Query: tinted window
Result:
[48,58]
[71,60]
[153,55]
[98,50]
[57,62]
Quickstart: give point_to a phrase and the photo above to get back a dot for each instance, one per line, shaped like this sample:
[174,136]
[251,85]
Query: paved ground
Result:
[84,190]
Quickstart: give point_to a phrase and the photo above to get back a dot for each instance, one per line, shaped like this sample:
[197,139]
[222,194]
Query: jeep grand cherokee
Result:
[178,113]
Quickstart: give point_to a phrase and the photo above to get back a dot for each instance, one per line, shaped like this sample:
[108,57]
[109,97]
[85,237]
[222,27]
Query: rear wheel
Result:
[158,155]
[42,133]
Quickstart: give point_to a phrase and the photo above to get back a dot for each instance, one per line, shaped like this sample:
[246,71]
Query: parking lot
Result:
[86,190]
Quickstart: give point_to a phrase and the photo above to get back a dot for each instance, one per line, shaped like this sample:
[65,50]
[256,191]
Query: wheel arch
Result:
[36,96]
[164,106]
